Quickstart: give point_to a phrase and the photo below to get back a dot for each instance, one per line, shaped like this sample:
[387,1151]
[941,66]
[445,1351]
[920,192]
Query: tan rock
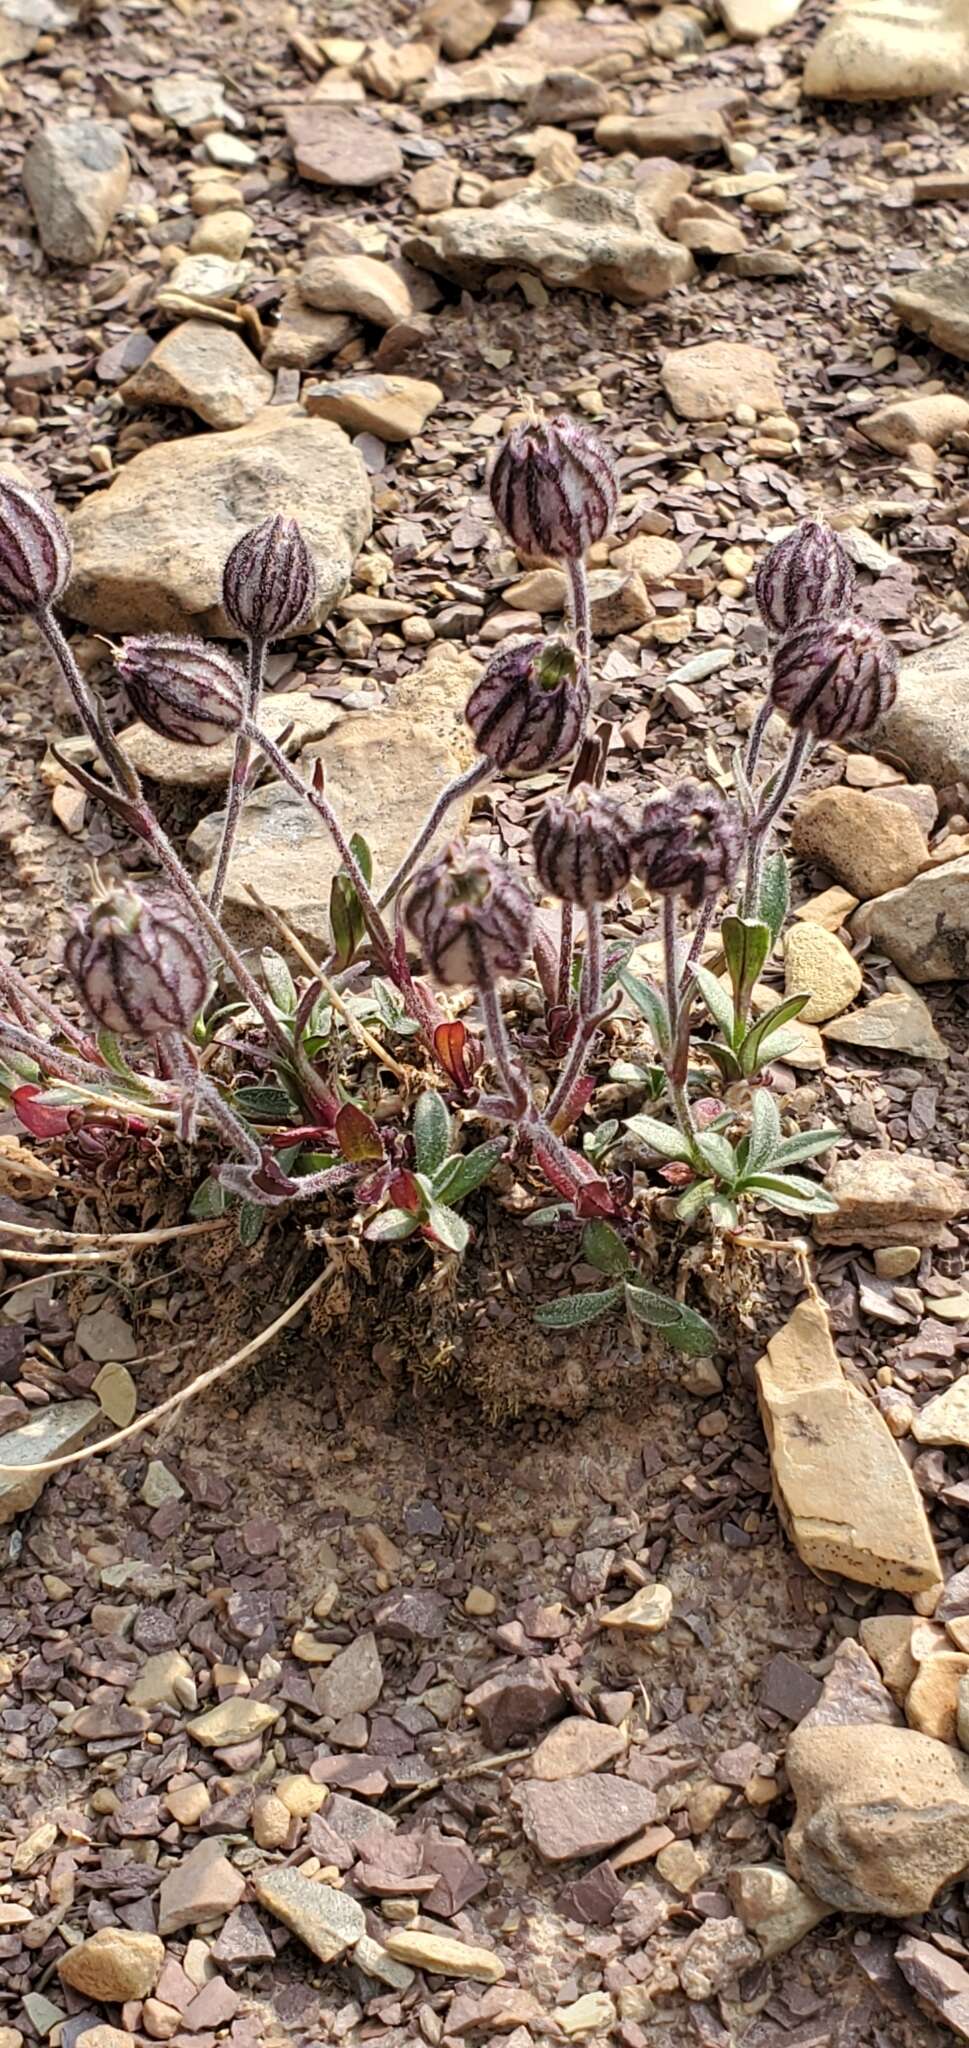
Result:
[102,2037]
[933,1697]
[832,908]
[892,1023]
[114,1964]
[443,1956]
[888,1640]
[869,843]
[931,420]
[592,2014]
[187,1803]
[463,25]
[52,1434]
[598,238]
[326,1920]
[239,1719]
[924,926]
[575,1746]
[816,961]
[935,302]
[882,1821]
[709,381]
[203,1886]
[301,1795]
[271,1820]
[389,69]
[176,766]
[893,1261]
[76,176]
[890,49]
[772,1906]
[206,368]
[302,337]
[748,20]
[22,23]
[226,231]
[650,556]
[683,1866]
[926,727]
[155,1685]
[334,145]
[945,1419]
[647,1613]
[885,1197]
[846,1496]
[141,565]
[393,408]
[362,285]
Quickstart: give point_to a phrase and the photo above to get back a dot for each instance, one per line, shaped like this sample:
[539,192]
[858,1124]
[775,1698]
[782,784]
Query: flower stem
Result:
[16,1039]
[320,803]
[676,1085]
[499,1045]
[23,998]
[790,775]
[566,948]
[756,739]
[590,992]
[89,710]
[238,780]
[577,597]
[462,785]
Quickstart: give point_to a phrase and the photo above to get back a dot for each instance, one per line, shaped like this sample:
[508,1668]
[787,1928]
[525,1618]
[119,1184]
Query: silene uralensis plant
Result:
[186,1039]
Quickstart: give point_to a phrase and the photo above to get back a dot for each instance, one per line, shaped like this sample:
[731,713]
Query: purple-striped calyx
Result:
[687,844]
[183,688]
[529,709]
[35,552]
[807,576]
[471,917]
[836,678]
[554,489]
[139,965]
[269,580]
[582,843]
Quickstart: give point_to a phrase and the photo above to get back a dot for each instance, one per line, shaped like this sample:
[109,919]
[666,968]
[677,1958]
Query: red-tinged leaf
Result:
[577,1180]
[41,1119]
[678,1173]
[373,1187]
[595,1200]
[706,1110]
[405,1193]
[579,1100]
[450,1045]
[357,1135]
[319,775]
[299,1134]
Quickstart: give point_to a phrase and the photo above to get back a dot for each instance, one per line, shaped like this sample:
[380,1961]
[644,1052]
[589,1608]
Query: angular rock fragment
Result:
[76,175]
[890,1198]
[882,1820]
[583,1816]
[598,238]
[326,1920]
[924,926]
[52,1434]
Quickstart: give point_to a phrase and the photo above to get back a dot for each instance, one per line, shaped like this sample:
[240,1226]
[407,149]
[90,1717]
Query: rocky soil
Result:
[432,1680]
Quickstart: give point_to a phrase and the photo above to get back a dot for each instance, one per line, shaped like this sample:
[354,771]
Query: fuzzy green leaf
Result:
[603,1248]
[718,1002]
[648,1306]
[775,894]
[447,1227]
[391,1226]
[693,1335]
[805,1145]
[764,1134]
[791,1192]
[648,1001]
[458,1176]
[662,1138]
[694,1198]
[432,1131]
[752,1050]
[279,981]
[570,1311]
[718,1154]
[746,944]
[208,1200]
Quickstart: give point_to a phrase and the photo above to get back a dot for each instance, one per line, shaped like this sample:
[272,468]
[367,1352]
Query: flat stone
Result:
[463,25]
[203,1886]
[206,368]
[690,130]
[931,422]
[773,1906]
[868,843]
[927,727]
[583,1816]
[598,238]
[576,1747]
[843,1489]
[203,284]
[853,1690]
[945,1419]
[155,1685]
[353,1682]
[99,2037]
[117,1394]
[326,1920]
[303,337]
[888,1639]
[443,1956]
[935,302]
[886,1198]
[140,565]
[50,1434]
[932,1703]
[646,1613]
[516,1702]
[22,22]
[923,926]
[393,408]
[190,99]
[815,960]
[239,1719]
[892,1023]
[372,1957]
[113,1964]
[747,20]
[105,1336]
[890,50]
[594,2014]
[940,1982]
[384,770]
[882,1820]
[174,765]
[225,232]
[334,146]
[76,176]
[363,285]
[707,382]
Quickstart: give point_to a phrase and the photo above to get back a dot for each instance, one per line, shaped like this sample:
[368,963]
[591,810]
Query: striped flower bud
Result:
[35,552]
[183,688]
[471,917]
[807,576]
[583,846]
[554,489]
[687,844]
[836,678]
[140,966]
[529,709]
[269,581]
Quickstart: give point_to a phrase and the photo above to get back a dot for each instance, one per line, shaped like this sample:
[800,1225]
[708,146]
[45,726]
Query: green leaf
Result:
[346,921]
[805,1145]
[693,1335]
[252,1222]
[718,1154]
[357,1135]
[465,1171]
[269,1105]
[114,1058]
[595,1144]
[660,1137]
[279,981]
[570,1311]
[541,1218]
[764,1134]
[718,1002]
[782,1045]
[432,1131]
[650,1004]
[390,1010]
[391,1226]
[722,1210]
[782,1013]
[775,893]
[363,856]
[616,966]
[694,1198]
[208,1200]
[603,1248]
[648,1306]
[746,944]
[725,1061]
[790,1191]
[448,1228]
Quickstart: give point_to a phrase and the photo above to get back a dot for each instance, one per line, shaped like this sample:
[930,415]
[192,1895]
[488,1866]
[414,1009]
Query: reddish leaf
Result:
[578,1100]
[576,1180]
[41,1119]
[405,1193]
[357,1135]
[456,1052]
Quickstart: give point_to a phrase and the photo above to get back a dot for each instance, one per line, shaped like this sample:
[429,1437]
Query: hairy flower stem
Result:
[577,595]
[499,1046]
[566,950]
[675,1081]
[89,710]
[239,778]
[756,739]
[15,1039]
[590,991]
[23,999]
[200,1091]
[480,772]
[790,775]
[319,803]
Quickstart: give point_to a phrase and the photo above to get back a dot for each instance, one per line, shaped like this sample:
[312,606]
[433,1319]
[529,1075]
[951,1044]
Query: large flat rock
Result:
[56,1430]
[149,551]
[935,302]
[890,50]
[928,724]
[882,1819]
[597,238]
